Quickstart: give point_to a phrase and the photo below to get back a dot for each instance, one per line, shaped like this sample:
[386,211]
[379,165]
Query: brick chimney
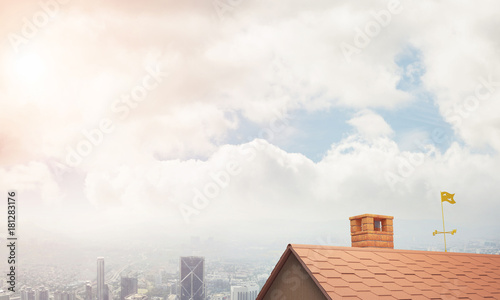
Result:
[372,231]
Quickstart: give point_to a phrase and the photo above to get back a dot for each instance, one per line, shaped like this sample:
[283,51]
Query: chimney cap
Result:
[371,216]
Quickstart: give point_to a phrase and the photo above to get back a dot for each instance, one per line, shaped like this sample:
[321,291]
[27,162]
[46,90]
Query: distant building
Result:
[136,297]
[244,292]
[159,278]
[88,291]
[27,294]
[43,293]
[57,295]
[4,296]
[221,297]
[107,292]
[100,278]
[192,278]
[128,286]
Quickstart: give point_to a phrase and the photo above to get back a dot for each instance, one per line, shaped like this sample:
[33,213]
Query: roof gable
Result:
[291,279]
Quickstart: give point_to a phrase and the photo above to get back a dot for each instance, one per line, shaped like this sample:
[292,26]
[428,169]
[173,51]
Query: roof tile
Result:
[381,291]
[430,294]
[367,295]
[331,273]
[324,265]
[338,282]
[384,278]
[372,282]
[401,295]
[352,278]
[395,274]
[345,270]
[359,286]
[365,274]
[302,252]
[345,291]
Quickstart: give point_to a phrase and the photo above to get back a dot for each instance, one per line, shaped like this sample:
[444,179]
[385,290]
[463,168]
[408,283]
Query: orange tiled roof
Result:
[377,273]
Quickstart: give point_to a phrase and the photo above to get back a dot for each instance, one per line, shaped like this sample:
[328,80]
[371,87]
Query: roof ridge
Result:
[373,249]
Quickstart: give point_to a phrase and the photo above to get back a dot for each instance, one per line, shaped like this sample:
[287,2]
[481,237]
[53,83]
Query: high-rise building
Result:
[88,291]
[128,286]
[27,294]
[192,278]
[107,292]
[43,293]
[159,278]
[72,295]
[100,278]
[57,295]
[244,292]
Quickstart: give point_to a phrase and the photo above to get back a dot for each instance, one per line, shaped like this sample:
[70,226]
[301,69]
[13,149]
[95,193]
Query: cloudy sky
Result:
[229,115]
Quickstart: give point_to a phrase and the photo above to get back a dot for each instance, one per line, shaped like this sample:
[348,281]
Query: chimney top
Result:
[371,230]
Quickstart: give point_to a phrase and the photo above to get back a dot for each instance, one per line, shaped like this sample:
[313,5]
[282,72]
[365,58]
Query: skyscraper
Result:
[43,293]
[57,295]
[244,292]
[100,278]
[88,291]
[128,287]
[27,294]
[107,292]
[192,278]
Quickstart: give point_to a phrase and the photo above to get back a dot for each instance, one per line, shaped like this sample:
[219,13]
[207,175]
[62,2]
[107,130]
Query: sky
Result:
[249,118]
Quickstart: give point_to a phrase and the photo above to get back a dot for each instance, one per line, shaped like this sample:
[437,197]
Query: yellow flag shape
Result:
[447,197]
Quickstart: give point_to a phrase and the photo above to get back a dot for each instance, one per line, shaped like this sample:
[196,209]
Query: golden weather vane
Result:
[448,198]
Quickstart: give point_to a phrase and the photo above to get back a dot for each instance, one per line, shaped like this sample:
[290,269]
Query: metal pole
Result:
[444,231]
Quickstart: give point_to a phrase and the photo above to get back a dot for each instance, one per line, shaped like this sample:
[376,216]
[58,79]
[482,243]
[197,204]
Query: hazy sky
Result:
[230,115]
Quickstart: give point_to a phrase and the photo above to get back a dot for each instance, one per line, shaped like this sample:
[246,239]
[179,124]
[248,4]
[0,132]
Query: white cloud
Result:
[370,125]
[355,177]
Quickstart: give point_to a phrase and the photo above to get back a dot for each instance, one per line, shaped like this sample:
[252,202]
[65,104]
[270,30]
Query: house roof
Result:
[378,273]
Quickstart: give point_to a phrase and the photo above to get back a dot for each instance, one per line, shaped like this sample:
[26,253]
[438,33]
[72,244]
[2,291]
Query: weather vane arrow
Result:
[448,198]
